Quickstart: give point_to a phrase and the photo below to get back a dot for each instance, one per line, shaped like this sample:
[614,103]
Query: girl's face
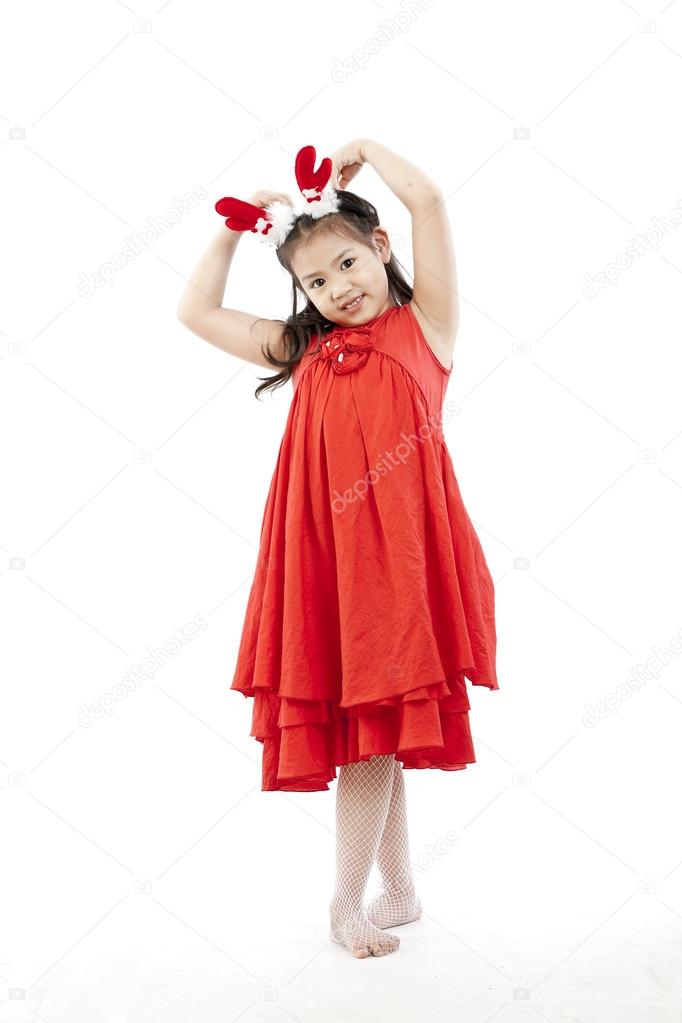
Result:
[334,269]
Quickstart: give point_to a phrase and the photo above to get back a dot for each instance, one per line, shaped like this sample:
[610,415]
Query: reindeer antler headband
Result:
[273,223]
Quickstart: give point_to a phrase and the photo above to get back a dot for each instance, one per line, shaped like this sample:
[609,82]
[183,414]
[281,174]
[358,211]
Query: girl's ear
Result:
[381,240]
[382,243]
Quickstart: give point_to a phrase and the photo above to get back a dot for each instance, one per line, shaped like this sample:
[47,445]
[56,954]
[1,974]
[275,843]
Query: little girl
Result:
[372,601]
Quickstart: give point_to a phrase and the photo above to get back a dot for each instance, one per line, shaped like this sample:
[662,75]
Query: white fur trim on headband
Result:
[284,215]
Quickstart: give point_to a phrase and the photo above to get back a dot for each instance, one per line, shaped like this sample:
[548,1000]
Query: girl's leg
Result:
[363,794]
[398,903]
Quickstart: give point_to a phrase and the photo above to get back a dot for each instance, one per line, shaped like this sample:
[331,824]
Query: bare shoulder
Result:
[240,334]
[441,345]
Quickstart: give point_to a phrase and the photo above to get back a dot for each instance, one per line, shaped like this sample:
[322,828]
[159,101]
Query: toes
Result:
[361,942]
[384,949]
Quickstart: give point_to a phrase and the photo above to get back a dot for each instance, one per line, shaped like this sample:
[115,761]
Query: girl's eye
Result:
[348,259]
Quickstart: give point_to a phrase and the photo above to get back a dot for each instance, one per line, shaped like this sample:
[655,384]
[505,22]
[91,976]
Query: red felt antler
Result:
[311,181]
[243,216]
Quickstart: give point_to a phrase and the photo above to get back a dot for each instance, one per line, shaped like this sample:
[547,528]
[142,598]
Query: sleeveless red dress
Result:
[371,600]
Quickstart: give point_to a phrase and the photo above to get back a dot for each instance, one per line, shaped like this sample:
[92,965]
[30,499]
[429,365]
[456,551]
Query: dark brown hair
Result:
[356,218]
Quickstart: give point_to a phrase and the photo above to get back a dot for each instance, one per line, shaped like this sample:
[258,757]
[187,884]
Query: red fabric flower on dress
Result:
[348,348]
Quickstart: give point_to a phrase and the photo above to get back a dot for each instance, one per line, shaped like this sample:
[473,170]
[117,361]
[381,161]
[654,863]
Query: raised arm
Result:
[200,308]
[435,272]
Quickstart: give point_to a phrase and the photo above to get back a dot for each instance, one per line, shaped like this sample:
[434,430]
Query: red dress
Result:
[371,600]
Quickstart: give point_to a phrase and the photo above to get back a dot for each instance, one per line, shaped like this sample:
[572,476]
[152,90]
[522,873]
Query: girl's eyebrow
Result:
[317,272]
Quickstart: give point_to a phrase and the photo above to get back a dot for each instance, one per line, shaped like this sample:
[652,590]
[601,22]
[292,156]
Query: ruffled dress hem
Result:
[305,741]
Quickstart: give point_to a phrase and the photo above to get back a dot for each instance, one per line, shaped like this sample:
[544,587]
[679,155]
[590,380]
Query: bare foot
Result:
[358,935]
[393,908]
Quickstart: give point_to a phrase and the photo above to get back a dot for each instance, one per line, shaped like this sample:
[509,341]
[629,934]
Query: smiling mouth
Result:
[355,304]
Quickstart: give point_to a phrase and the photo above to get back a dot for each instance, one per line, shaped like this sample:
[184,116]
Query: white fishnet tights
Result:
[371,822]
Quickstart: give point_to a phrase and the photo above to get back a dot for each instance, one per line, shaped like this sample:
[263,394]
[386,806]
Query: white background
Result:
[145,875]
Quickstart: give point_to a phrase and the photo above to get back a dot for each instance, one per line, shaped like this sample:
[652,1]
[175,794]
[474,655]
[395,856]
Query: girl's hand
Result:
[346,162]
[263,198]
